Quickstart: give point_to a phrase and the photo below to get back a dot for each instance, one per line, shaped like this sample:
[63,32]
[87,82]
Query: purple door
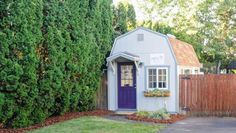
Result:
[126,86]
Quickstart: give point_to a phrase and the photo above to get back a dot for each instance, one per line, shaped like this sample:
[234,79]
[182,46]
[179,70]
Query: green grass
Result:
[98,125]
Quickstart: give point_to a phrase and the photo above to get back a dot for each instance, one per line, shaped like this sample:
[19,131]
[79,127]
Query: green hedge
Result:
[51,53]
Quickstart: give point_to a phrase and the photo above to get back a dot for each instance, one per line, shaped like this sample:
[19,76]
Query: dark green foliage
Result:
[131,17]
[20,33]
[124,18]
[51,53]
[160,114]
[121,18]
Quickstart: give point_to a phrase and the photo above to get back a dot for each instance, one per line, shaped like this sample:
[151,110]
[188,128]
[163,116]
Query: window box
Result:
[157,93]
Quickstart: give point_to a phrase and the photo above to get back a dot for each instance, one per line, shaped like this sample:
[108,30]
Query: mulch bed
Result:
[56,119]
[173,118]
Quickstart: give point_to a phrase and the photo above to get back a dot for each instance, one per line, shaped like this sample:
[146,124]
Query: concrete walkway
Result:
[203,125]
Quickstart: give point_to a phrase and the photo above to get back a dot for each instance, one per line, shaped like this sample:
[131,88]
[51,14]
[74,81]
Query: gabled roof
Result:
[184,53]
[126,55]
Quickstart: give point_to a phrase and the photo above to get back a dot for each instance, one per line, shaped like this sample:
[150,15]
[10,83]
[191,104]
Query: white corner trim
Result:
[136,65]
[112,66]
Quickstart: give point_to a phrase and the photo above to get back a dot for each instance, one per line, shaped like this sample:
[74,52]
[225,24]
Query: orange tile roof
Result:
[184,53]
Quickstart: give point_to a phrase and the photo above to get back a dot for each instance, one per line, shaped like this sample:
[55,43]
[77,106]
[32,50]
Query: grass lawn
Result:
[98,125]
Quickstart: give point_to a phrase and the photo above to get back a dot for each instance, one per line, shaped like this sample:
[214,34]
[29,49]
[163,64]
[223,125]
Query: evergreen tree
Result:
[121,19]
[131,17]
[20,34]
[51,53]
[124,18]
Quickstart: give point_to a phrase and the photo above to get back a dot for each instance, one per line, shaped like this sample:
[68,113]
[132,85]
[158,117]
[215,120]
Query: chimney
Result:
[171,36]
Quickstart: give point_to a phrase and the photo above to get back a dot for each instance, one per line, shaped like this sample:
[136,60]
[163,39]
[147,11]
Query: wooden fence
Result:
[208,95]
[101,95]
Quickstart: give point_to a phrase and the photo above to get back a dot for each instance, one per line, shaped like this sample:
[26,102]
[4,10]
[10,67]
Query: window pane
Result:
[150,79]
[160,71]
[154,78]
[150,72]
[164,84]
[125,82]
[130,82]
[154,72]
[150,85]
[164,78]
[126,75]
[154,84]
[160,84]
[164,71]
[122,82]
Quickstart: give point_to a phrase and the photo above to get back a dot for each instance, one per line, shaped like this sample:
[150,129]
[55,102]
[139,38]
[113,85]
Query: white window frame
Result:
[157,76]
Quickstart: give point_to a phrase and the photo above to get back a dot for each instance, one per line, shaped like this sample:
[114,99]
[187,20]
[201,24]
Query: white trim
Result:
[157,76]
[122,54]
[112,66]
[136,65]
[134,58]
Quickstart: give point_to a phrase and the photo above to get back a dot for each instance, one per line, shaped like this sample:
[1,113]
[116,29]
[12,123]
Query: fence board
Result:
[208,95]
[101,95]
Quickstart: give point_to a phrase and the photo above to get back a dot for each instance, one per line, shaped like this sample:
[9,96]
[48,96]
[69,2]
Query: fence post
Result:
[185,108]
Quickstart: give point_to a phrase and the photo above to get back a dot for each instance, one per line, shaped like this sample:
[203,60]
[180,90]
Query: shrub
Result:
[143,113]
[160,114]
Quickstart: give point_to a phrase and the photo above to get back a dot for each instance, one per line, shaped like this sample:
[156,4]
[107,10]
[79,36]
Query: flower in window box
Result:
[157,93]
[166,94]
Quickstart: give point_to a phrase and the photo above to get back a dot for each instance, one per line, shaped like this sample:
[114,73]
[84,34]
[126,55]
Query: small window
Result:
[157,78]
[162,78]
[187,71]
[140,37]
[152,78]
[196,71]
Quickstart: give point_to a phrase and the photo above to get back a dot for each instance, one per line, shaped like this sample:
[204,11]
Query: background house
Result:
[231,68]
[186,57]
[144,60]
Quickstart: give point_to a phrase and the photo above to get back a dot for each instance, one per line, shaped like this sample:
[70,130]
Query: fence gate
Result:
[208,95]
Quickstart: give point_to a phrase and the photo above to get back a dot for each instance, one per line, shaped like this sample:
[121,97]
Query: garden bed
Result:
[173,118]
[56,119]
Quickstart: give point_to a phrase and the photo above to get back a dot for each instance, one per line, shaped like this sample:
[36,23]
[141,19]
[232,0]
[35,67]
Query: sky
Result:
[140,16]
